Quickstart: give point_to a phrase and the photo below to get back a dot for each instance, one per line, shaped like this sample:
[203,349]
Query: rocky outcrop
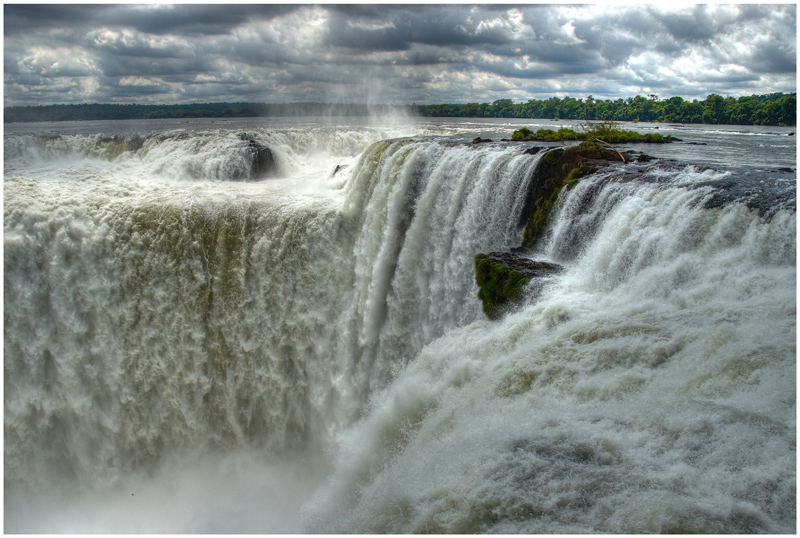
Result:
[501,277]
[527,267]
[561,168]
[262,161]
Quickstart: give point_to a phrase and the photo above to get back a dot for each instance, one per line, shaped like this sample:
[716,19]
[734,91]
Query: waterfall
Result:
[650,389]
[174,319]
[154,318]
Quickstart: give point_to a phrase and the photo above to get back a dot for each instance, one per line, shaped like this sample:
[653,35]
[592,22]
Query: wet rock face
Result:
[262,161]
[525,266]
[505,277]
[561,168]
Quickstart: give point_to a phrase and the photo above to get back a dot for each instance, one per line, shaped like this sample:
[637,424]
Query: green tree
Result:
[712,111]
[502,108]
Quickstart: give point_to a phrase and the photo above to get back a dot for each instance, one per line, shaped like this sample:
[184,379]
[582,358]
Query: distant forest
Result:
[771,109]
[198,110]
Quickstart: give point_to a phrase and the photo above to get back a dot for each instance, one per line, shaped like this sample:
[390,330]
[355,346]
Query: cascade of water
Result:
[149,325]
[425,211]
[650,390]
[153,318]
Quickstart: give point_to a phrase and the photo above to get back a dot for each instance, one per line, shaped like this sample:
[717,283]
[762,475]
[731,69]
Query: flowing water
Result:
[195,345]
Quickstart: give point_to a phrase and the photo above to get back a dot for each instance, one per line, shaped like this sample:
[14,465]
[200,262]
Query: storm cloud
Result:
[392,53]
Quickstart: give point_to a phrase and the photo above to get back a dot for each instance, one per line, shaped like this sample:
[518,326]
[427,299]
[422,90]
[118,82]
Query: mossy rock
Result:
[513,287]
[550,158]
[503,278]
[559,169]
[572,178]
[497,284]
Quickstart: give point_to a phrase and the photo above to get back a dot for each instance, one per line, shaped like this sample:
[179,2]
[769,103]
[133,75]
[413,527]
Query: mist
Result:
[238,492]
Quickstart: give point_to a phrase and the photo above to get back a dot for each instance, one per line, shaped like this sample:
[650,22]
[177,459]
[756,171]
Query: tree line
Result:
[195,110]
[770,109]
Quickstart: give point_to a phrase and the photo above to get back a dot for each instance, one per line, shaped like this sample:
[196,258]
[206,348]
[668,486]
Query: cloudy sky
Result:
[408,53]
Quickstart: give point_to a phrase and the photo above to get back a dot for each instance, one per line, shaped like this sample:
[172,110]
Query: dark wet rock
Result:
[338,168]
[110,139]
[527,267]
[561,168]
[504,277]
[533,150]
[763,191]
[262,161]
[43,140]
[480,140]
[172,135]
[135,143]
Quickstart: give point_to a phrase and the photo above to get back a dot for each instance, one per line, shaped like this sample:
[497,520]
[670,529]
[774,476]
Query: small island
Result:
[606,131]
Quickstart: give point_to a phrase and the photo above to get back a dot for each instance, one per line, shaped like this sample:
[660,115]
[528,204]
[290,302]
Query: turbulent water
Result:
[193,344]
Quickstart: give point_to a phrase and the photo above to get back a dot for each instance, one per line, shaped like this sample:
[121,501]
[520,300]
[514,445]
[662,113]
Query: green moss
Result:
[544,208]
[589,145]
[513,288]
[488,275]
[552,200]
[550,158]
[497,285]
[572,178]
[481,269]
